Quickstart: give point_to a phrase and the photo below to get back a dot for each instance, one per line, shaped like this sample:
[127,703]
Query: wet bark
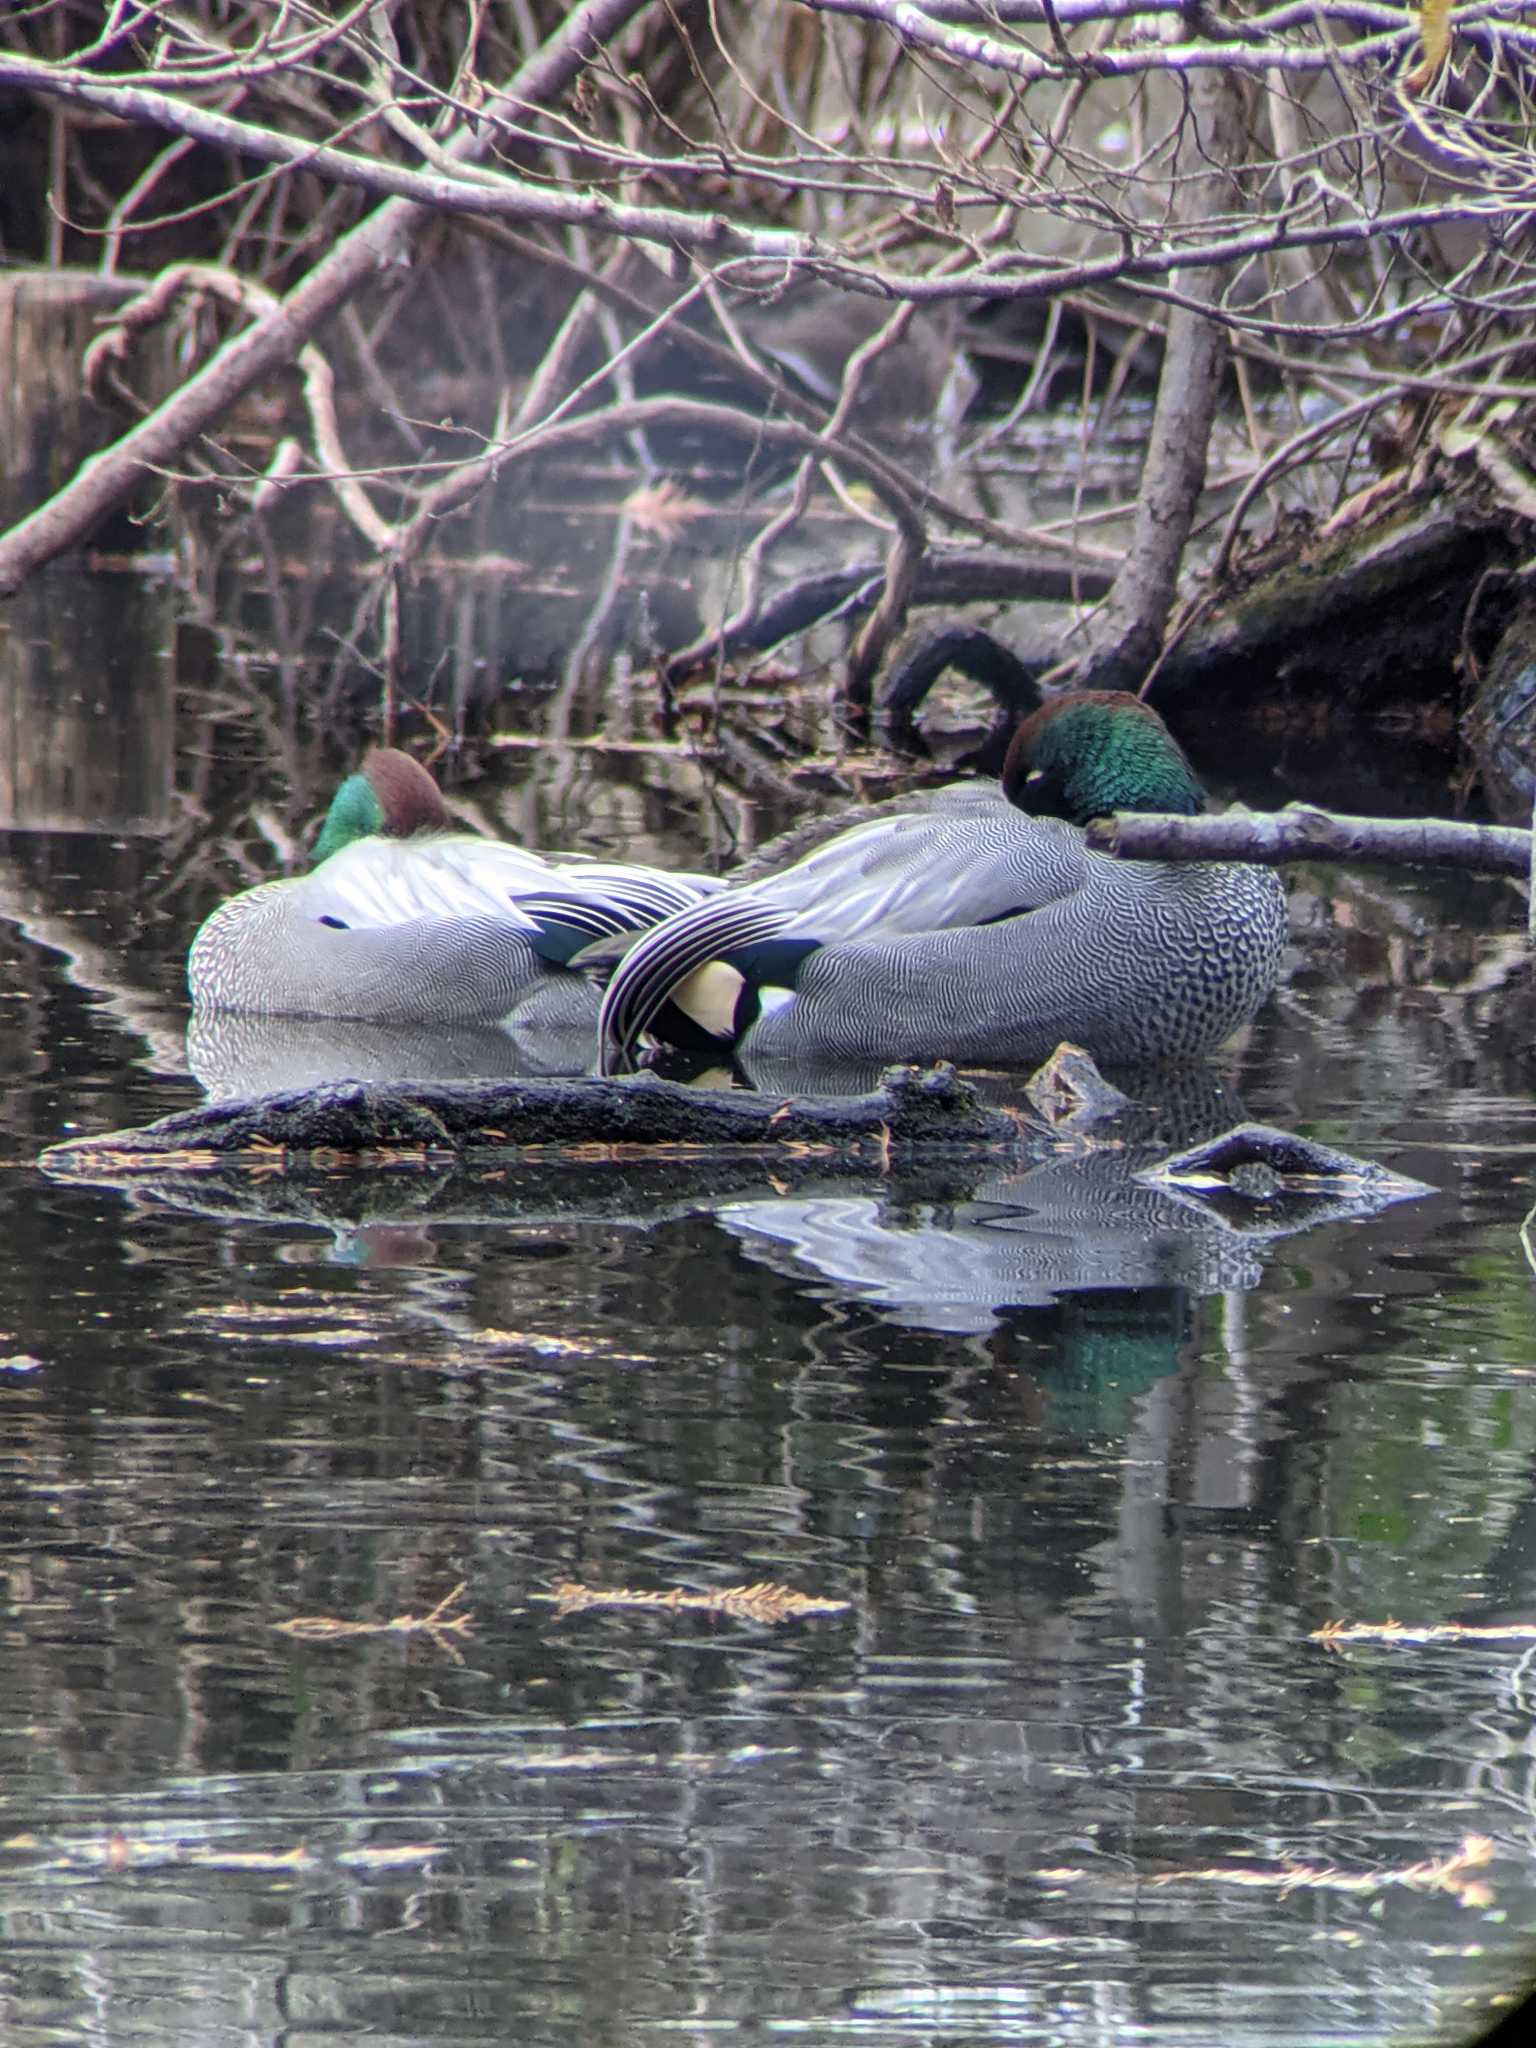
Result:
[363,1121]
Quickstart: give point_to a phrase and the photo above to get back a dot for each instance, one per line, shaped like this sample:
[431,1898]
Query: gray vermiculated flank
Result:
[256,957]
[1132,960]
[1146,962]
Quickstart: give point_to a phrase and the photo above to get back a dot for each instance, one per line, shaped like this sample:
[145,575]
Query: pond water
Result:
[1084,1475]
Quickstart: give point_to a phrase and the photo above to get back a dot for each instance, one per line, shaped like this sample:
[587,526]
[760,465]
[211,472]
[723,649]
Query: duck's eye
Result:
[337,924]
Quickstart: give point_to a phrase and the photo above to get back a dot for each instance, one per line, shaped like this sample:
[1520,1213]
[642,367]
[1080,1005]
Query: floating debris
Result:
[664,509]
[1434,1874]
[766,1601]
[1332,1633]
[439,1623]
[119,1852]
[1442,1874]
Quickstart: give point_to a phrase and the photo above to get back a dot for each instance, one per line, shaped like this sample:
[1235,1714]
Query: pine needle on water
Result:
[765,1601]
[1435,1874]
[1333,1633]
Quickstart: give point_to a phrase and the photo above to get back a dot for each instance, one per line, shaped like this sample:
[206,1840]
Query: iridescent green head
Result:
[1093,752]
[391,796]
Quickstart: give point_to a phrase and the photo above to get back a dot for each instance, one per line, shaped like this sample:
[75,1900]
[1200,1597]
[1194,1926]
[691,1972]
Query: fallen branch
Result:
[369,252]
[944,576]
[1303,832]
[363,1124]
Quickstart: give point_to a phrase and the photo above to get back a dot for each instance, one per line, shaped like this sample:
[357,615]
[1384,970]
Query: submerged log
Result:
[1260,1162]
[510,1149]
[405,1122]
[1257,1177]
[598,1185]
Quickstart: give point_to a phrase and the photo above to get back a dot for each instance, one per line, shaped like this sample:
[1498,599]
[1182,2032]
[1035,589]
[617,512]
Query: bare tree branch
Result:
[1363,226]
[498,194]
[1303,832]
[278,335]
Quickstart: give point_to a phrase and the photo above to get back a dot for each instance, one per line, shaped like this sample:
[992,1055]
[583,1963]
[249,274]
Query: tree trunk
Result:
[1128,633]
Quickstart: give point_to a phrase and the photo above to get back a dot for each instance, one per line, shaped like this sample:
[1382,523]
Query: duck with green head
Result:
[403,918]
[976,925]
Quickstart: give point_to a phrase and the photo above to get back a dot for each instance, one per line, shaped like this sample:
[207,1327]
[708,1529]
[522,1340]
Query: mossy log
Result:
[1501,722]
[377,1124]
[1375,599]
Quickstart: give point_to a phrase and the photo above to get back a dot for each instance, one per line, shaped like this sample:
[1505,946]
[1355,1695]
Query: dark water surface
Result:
[1088,1472]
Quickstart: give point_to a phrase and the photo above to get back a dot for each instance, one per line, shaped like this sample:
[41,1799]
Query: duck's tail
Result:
[611,901]
[711,964]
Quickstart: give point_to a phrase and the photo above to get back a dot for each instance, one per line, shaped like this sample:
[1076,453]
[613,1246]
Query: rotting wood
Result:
[1378,598]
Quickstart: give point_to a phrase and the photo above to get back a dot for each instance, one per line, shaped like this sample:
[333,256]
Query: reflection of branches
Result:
[896,488]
